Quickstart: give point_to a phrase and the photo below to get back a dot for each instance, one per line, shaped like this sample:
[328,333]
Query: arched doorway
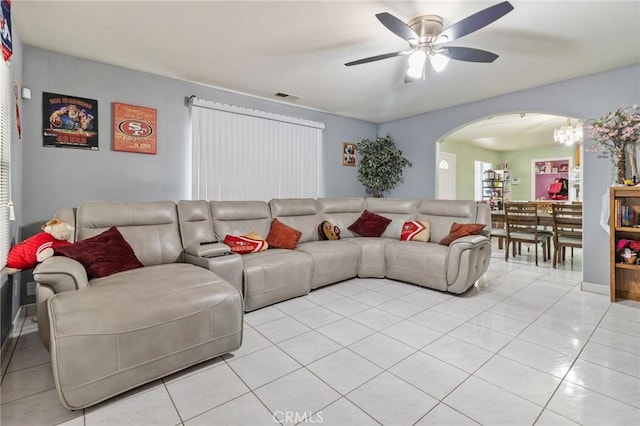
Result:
[510,142]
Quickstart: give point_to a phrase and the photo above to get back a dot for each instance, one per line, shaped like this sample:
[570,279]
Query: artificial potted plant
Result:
[381,165]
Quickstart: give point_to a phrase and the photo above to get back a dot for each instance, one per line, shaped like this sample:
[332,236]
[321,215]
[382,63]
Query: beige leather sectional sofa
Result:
[107,335]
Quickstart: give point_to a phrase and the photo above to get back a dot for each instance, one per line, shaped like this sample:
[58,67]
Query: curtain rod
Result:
[205,103]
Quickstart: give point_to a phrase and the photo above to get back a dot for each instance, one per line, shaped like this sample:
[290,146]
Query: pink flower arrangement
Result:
[633,245]
[617,129]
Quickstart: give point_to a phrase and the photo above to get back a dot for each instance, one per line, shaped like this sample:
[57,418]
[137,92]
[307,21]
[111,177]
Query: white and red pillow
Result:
[244,244]
[416,230]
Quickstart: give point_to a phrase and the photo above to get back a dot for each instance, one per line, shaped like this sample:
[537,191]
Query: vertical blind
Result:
[5,160]
[245,154]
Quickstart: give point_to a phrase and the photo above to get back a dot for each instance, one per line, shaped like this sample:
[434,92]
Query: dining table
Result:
[544,219]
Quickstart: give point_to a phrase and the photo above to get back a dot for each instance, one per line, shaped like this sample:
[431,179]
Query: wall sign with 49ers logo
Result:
[134,128]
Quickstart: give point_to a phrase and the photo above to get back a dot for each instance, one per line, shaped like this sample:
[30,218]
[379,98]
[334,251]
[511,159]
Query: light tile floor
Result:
[524,347]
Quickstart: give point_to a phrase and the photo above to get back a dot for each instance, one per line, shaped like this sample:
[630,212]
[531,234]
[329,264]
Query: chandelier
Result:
[568,135]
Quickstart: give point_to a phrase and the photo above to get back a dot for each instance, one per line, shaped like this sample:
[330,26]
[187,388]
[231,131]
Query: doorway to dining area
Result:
[517,146]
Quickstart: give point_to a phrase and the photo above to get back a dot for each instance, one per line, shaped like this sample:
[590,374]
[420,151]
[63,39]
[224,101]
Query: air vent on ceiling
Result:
[287,96]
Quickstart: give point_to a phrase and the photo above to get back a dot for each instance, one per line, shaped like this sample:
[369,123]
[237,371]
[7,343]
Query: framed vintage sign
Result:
[69,121]
[134,128]
[349,154]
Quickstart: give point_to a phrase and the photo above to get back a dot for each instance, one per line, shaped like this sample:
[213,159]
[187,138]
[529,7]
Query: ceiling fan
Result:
[425,37]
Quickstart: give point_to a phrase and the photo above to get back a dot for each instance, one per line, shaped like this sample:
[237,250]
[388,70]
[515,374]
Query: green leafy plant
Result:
[381,165]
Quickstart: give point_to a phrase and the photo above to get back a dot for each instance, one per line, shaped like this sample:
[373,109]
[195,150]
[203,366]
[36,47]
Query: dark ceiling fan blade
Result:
[470,54]
[397,27]
[373,58]
[476,21]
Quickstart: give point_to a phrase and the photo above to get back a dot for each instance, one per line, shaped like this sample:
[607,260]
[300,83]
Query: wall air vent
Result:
[287,96]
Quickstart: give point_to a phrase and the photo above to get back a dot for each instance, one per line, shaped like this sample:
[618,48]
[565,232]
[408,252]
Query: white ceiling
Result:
[511,132]
[264,47]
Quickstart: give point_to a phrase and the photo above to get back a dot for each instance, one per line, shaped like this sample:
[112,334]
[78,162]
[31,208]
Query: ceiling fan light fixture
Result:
[416,64]
[439,61]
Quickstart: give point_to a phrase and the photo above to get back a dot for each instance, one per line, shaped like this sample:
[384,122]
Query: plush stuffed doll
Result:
[35,249]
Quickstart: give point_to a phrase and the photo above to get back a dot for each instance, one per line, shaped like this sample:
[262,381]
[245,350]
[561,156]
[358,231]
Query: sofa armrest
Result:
[61,274]
[468,260]
[464,243]
[208,250]
[220,260]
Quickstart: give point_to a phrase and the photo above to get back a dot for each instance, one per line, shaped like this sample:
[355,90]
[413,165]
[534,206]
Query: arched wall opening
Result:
[584,97]
[520,147]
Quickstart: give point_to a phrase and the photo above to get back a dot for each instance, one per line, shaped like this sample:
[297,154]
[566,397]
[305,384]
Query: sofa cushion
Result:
[333,261]
[459,230]
[396,209]
[416,230]
[240,217]
[371,263]
[442,213]
[283,236]
[275,275]
[298,213]
[369,224]
[248,243]
[150,227]
[328,231]
[342,212]
[102,255]
[114,336]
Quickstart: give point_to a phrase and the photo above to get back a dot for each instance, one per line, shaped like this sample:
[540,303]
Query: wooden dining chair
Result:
[567,229]
[522,227]
[499,232]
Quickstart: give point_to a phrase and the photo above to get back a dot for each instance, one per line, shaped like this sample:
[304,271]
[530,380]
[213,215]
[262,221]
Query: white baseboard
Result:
[596,288]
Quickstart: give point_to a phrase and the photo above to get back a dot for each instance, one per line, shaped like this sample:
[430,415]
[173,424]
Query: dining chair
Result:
[567,229]
[522,227]
[499,232]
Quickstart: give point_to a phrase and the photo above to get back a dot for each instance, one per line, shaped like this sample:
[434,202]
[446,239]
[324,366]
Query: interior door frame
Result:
[450,158]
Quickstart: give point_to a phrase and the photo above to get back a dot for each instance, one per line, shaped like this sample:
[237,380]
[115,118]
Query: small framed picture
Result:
[349,154]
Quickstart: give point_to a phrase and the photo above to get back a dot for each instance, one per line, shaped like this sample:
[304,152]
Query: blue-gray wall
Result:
[585,97]
[58,177]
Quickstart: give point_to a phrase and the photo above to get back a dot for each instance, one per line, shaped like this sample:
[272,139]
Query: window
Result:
[244,154]
[5,160]
[480,168]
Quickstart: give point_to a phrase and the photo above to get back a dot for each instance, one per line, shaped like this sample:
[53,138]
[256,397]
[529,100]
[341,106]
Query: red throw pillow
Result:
[459,230]
[283,236]
[249,243]
[102,255]
[369,224]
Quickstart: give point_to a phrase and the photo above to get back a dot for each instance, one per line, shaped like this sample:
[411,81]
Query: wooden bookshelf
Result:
[624,222]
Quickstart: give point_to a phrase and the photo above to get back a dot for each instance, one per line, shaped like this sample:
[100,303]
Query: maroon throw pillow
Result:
[369,224]
[102,255]
[283,236]
[459,230]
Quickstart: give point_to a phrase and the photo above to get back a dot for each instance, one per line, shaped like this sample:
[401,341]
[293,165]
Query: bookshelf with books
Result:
[496,188]
[624,224]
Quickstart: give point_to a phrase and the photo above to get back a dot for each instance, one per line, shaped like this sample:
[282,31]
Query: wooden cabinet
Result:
[624,222]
